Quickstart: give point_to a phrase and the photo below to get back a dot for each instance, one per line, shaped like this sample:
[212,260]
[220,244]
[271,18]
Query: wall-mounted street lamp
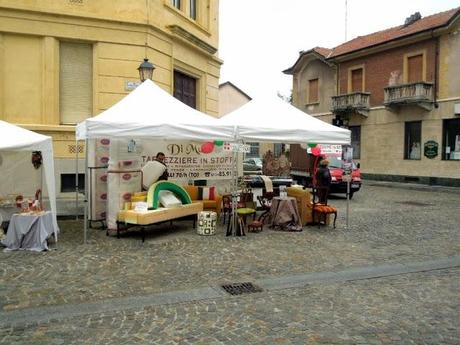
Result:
[145,70]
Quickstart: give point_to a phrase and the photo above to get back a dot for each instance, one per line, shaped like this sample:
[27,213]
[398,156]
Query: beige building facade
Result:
[64,61]
[399,94]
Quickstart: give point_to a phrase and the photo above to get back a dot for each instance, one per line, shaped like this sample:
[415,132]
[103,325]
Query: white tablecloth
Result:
[7,211]
[29,231]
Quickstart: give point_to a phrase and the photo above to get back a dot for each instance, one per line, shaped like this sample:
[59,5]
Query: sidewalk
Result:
[411,186]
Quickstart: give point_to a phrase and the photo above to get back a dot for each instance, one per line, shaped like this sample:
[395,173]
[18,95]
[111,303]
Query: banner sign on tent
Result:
[329,150]
[234,147]
[185,161]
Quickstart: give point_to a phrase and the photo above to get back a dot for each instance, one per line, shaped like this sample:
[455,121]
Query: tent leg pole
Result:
[76,179]
[85,206]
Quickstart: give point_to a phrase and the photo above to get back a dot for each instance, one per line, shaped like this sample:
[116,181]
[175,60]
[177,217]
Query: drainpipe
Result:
[436,71]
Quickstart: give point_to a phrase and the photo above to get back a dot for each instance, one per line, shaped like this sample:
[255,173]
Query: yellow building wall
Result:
[122,33]
[449,66]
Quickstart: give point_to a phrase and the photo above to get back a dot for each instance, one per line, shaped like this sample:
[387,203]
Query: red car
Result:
[338,185]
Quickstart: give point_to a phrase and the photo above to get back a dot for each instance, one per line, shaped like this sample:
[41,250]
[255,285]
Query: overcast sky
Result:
[261,38]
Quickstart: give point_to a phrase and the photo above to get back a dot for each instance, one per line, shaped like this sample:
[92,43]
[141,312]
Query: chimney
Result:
[412,19]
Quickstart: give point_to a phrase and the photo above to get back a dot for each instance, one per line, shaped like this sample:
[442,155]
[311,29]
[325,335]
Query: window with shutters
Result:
[313,91]
[75,82]
[185,88]
[356,79]
[414,68]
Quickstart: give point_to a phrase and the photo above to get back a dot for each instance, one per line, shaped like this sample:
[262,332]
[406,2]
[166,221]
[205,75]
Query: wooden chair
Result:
[226,207]
[320,208]
[265,201]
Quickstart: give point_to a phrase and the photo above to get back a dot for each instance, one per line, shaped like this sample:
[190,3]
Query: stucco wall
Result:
[327,85]
[121,32]
[449,67]
[230,99]
[382,142]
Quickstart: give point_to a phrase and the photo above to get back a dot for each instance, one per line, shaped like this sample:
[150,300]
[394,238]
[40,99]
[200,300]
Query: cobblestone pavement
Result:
[387,226]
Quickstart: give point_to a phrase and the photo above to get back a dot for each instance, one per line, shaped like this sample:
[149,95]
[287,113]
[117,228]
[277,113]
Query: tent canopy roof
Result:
[15,138]
[274,120]
[150,112]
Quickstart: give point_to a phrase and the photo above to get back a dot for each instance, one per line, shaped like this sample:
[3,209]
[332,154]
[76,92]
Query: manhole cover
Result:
[241,288]
[413,203]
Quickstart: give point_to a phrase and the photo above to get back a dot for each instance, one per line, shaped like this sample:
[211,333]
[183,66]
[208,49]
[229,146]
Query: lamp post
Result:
[145,70]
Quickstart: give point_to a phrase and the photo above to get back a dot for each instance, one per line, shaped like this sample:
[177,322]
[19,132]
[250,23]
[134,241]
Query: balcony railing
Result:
[420,93]
[351,102]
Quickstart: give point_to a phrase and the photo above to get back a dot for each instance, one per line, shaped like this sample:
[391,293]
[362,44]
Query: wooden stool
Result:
[256,226]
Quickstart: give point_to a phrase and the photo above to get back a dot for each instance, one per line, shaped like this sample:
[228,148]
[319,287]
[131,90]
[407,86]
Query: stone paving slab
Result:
[420,308]
[45,314]
[388,226]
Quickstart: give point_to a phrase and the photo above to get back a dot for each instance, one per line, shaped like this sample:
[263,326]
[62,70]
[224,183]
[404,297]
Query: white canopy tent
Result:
[150,112]
[14,138]
[274,120]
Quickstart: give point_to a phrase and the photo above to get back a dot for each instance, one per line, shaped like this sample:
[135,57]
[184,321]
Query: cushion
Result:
[209,204]
[168,199]
[192,191]
[206,193]
[151,172]
[325,209]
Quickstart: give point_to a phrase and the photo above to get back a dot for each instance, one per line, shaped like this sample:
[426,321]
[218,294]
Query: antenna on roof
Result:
[412,19]
[346,7]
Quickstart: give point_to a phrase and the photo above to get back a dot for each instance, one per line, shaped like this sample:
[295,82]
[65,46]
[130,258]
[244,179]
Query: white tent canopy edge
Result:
[14,138]
[276,121]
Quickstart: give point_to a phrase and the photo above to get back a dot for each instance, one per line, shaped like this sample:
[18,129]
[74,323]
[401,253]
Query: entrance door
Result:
[185,89]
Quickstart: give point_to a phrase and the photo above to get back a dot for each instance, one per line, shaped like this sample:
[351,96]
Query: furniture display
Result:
[265,201]
[243,213]
[285,215]
[304,205]
[256,226]
[150,217]
[321,210]
[207,221]
[226,206]
[213,203]
[29,231]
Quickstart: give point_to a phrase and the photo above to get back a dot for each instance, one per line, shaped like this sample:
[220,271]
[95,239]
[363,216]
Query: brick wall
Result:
[378,68]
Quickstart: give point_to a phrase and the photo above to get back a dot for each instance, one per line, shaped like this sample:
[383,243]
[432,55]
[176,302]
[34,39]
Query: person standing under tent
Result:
[323,180]
[160,157]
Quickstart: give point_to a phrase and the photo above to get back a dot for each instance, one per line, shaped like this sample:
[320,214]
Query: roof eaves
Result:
[433,28]
[237,88]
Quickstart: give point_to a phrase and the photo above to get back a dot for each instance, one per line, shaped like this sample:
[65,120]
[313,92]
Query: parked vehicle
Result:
[252,164]
[303,169]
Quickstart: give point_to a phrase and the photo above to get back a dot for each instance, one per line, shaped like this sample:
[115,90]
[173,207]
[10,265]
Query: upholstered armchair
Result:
[212,201]
[303,198]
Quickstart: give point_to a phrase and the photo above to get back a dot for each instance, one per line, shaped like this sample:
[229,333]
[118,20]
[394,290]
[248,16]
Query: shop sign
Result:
[328,150]
[186,161]
[430,149]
